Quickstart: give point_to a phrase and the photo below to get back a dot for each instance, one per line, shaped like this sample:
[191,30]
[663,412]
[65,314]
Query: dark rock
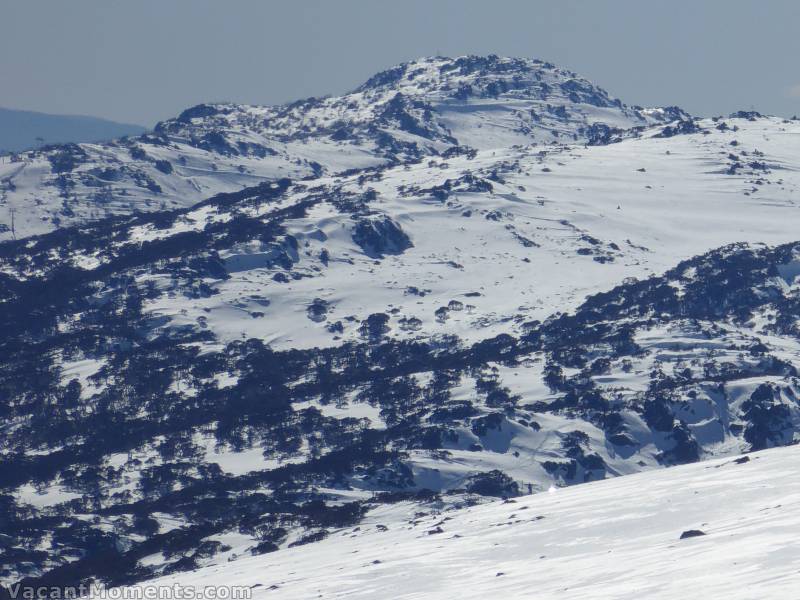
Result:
[317,311]
[690,533]
[380,236]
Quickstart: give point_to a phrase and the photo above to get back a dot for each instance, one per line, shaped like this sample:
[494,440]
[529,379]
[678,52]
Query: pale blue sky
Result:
[144,60]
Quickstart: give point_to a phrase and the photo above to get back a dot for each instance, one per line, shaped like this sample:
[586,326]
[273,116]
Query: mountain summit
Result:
[431,103]
[415,110]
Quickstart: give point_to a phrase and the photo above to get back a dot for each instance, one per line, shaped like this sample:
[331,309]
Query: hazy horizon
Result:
[146,61]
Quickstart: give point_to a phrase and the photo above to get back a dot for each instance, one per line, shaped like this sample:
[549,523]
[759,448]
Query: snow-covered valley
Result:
[257,333]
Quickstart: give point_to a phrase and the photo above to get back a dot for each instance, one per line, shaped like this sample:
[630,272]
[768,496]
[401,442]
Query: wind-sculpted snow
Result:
[627,538]
[243,372]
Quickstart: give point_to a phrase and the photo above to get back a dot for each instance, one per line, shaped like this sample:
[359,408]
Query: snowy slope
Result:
[391,311]
[528,231]
[414,110]
[608,539]
[199,447]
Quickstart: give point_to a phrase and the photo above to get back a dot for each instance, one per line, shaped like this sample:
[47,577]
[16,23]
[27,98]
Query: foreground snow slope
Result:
[617,538]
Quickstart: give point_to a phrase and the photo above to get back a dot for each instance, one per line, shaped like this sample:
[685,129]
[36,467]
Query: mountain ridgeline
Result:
[22,130]
[416,110]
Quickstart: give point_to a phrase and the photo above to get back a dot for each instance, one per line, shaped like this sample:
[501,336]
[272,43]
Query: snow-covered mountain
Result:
[415,110]
[440,313]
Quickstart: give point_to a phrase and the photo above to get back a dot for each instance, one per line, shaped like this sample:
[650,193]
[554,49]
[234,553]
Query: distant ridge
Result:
[420,109]
[19,129]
